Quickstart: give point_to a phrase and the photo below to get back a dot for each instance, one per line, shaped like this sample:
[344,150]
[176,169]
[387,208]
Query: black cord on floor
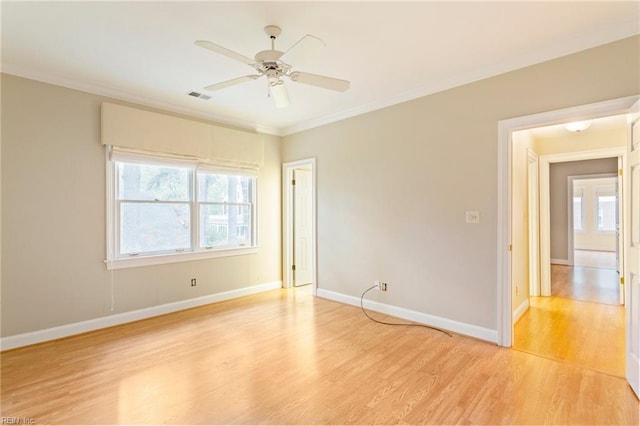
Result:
[395,323]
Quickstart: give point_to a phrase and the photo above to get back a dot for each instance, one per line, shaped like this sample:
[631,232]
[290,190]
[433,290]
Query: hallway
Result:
[582,322]
[588,284]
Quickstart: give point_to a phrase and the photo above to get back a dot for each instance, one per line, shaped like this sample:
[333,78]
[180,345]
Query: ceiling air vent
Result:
[199,95]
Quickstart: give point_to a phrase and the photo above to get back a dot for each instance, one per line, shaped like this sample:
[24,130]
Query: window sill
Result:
[134,262]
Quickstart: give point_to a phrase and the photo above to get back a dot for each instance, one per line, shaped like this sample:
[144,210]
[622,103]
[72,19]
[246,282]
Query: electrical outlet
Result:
[376,284]
[193,282]
[383,286]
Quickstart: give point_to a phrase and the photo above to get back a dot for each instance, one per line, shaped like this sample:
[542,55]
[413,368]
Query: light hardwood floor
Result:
[586,334]
[595,259]
[581,323]
[284,357]
[589,284]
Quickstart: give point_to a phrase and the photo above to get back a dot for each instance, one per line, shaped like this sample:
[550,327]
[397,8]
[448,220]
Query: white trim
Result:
[623,223]
[554,50]
[545,203]
[67,330]
[520,310]
[415,316]
[559,262]
[570,222]
[545,220]
[503,217]
[109,202]
[558,49]
[115,154]
[161,259]
[505,129]
[534,222]
[287,222]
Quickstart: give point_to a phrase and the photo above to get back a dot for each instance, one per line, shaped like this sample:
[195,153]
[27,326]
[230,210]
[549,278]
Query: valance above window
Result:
[137,129]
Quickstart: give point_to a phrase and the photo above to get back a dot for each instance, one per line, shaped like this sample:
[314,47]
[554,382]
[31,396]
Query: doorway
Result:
[593,219]
[505,291]
[299,219]
[579,321]
[560,326]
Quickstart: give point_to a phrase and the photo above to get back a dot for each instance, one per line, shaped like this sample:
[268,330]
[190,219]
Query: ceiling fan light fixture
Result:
[578,126]
[275,64]
[279,94]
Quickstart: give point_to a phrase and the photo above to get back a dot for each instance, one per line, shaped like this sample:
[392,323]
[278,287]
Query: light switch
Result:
[473,217]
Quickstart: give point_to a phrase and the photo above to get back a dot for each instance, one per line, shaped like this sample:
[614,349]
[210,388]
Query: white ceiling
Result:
[391,52]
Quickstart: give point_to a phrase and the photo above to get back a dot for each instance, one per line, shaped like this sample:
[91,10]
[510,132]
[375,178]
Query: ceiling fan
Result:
[274,65]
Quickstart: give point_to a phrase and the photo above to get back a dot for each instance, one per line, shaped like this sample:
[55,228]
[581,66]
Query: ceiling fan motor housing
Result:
[266,56]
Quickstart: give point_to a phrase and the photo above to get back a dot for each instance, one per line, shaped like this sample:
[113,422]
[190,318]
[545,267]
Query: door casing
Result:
[545,203]
[287,222]
[504,219]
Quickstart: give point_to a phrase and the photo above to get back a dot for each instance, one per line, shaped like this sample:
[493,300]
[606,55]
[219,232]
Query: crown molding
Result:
[126,96]
[556,50]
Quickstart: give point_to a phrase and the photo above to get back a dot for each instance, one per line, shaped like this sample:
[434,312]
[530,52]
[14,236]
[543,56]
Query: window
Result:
[153,208]
[224,206]
[606,212]
[162,207]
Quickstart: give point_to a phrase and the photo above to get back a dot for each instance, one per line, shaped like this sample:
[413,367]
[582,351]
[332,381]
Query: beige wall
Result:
[394,184]
[393,188]
[53,220]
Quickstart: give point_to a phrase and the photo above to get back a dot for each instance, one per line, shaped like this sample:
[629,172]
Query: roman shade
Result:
[140,130]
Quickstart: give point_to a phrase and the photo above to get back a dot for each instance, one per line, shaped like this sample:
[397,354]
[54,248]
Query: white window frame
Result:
[251,205]
[116,261]
[582,213]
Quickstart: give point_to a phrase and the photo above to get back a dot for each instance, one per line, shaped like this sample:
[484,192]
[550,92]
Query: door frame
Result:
[545,204]
[571,244]
[533,196]
[287,222]
[504,201]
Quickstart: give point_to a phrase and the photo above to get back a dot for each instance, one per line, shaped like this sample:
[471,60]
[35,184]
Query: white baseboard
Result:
[446,324]
[67,330]
[560,261]
[520,310]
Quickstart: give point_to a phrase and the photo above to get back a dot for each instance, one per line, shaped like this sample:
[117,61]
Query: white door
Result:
[632,252]
[619,221]
[302,232]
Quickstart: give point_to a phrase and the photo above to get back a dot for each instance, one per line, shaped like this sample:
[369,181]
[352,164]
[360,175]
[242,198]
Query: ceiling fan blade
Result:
[279,95]
[303,50]
[320,81]
[224,51]
[231,82]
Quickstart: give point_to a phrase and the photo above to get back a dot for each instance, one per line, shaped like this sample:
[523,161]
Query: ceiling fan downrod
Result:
[273,31]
